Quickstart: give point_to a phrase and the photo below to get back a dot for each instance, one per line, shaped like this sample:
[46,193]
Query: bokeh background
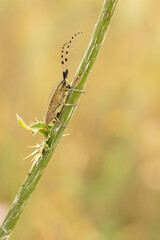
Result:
[103,181]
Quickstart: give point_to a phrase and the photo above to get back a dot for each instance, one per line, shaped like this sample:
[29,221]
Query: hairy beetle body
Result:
[57,97]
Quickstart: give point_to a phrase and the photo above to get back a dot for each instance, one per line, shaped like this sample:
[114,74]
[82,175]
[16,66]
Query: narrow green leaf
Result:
[21,122]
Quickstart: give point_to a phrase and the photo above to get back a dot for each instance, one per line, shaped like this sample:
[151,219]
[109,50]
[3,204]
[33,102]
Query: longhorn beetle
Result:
[58,95]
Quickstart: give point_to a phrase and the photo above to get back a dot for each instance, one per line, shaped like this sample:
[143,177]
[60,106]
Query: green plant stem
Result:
[81,76]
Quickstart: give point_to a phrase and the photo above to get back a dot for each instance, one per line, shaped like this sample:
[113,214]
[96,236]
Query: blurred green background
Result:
[103,181]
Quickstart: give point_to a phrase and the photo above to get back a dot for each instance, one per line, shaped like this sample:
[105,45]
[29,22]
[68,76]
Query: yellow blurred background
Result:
[103,181]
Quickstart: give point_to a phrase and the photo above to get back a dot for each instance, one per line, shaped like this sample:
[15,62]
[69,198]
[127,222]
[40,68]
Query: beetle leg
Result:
[69,104]
[74,90]
[56,118]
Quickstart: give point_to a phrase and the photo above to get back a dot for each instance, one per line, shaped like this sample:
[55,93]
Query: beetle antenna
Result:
[62,60]
[65,67]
